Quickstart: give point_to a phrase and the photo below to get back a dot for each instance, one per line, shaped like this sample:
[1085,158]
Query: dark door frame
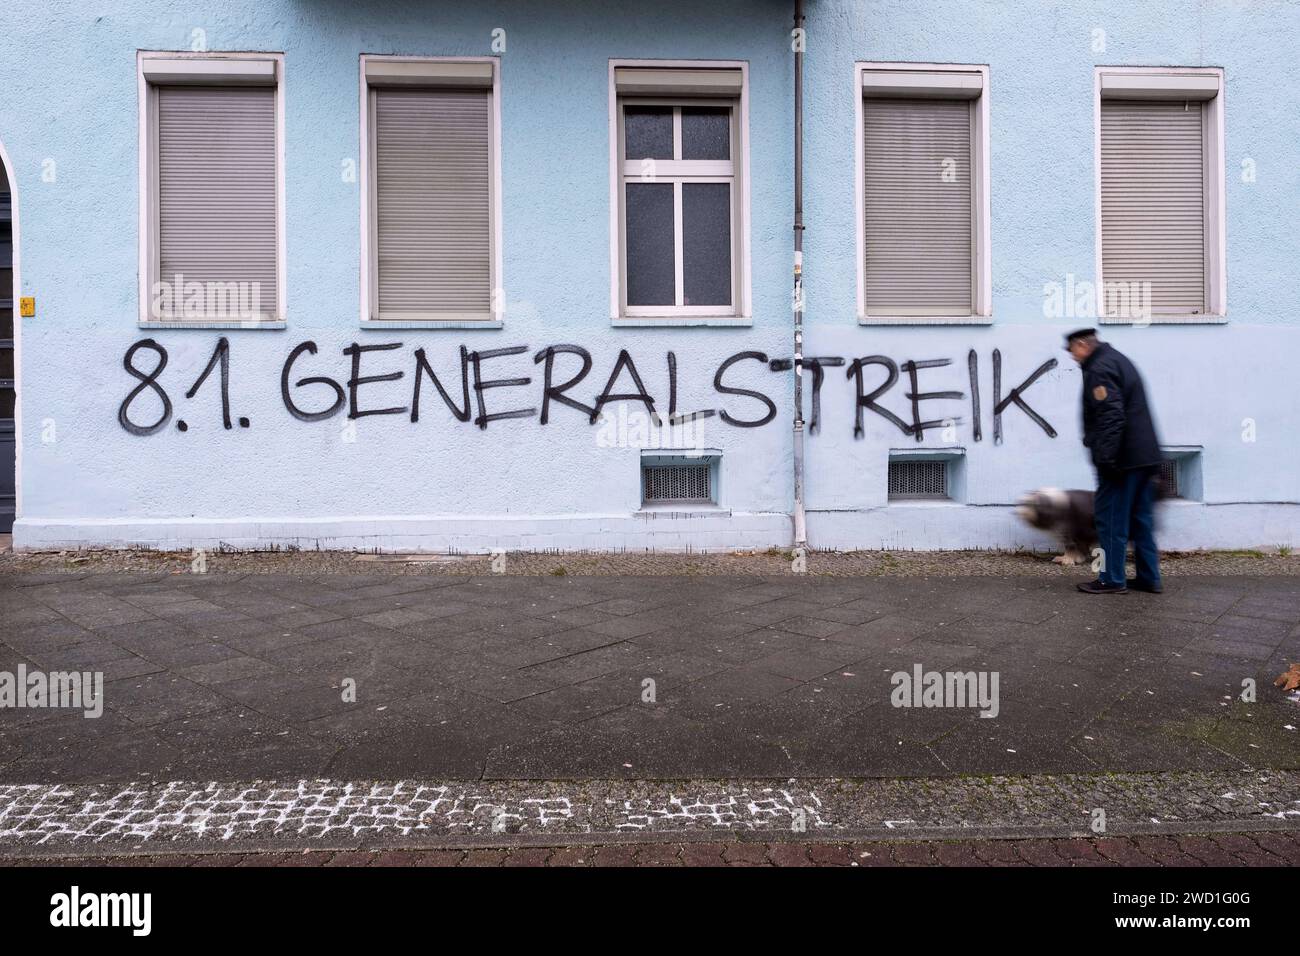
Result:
[10,432]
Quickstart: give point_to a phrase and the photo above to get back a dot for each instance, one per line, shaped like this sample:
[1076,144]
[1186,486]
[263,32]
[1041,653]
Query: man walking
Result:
[1121,436]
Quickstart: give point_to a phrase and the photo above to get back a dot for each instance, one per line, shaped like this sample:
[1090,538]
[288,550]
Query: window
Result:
[431,214]
[679,479]
[919,475]
[1181,472]
[1160,189]
[678,179]
[1169,478]
[918,479]
[681,482]
[212,231]
[923,194]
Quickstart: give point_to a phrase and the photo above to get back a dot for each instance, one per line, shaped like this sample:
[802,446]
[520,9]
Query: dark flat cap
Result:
[1079,334]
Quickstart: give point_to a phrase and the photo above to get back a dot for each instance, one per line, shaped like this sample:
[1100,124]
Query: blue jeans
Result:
[1125,507]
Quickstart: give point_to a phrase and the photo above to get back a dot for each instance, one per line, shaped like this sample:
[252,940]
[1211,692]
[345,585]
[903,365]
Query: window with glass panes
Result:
[679,222]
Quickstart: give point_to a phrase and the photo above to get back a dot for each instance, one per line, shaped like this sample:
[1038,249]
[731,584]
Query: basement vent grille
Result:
[684,482]
[918,479]
[1169,478]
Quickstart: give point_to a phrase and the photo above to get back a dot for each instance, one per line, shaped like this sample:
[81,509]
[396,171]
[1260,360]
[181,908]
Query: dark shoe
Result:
[1137,584]
[1102,587]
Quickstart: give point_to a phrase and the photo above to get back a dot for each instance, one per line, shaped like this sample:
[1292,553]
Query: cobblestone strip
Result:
[768,808]
[324,812]
[773,561]
[1222,849]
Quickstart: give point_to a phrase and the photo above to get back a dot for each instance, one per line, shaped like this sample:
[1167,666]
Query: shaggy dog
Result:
[1066,512]
[1069,513]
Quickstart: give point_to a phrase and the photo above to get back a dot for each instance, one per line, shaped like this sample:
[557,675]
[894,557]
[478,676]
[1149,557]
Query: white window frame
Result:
[1163,82]
[735,171]
[369,284]
[943,79]
[216,69]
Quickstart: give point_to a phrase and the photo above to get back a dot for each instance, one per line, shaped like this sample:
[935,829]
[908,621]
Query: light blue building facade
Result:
[683,288]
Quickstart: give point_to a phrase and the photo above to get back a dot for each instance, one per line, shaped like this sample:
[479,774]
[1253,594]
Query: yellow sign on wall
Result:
[27,306]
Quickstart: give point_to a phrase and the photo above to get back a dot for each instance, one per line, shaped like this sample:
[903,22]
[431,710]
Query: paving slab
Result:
[423,676]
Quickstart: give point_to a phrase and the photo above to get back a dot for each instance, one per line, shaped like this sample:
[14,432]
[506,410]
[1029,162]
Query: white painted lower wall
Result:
[914,526]
[466,534]
[940,526]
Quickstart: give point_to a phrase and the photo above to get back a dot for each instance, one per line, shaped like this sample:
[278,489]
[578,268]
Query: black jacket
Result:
[1117,424]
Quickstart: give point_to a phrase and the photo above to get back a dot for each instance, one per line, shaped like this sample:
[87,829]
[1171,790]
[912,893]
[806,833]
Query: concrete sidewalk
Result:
[243,676]
[1194,850]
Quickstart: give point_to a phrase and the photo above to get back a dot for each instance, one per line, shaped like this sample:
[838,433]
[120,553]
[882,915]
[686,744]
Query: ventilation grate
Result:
[677,482]
[918,479]
[1169,478]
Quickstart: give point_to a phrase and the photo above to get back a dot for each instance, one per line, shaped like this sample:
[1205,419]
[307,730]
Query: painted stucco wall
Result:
[69,129]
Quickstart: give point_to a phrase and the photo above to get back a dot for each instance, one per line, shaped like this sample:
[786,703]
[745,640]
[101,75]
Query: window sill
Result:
[430,324]
[680,321]
[924,503]
[925,320]
[681,508]
[1167,320]
[923,453]
[209,324]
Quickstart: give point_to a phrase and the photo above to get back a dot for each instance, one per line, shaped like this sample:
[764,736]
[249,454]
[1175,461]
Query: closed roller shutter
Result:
[217,187]
[432,163]
[1153,200]
[918,221]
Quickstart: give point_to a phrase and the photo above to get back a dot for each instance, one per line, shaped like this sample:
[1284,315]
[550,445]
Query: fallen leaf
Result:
[1290,679]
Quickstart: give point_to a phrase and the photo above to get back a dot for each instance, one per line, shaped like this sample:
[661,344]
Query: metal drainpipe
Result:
[800,526]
